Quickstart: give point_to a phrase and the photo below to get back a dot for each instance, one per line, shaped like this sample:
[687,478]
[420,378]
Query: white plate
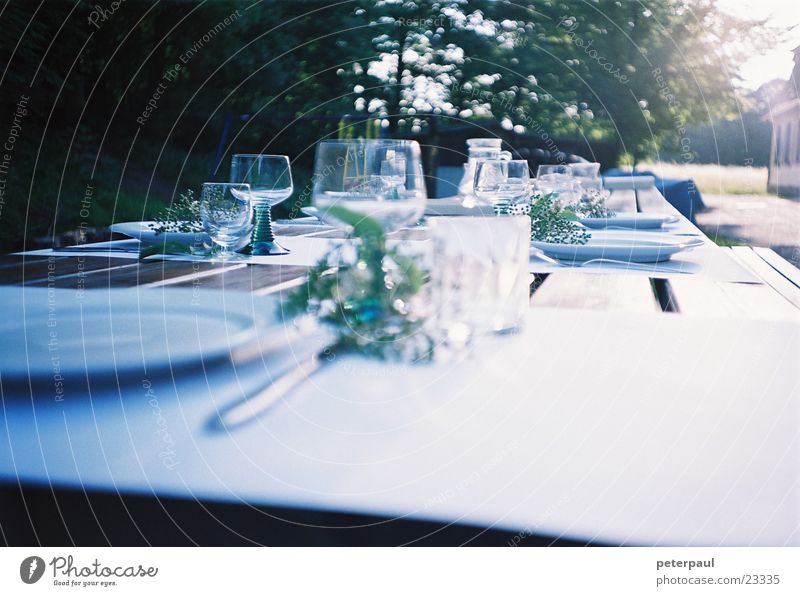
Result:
[631,249]
[637,221]
[145,234]
[118,333]
[142,231]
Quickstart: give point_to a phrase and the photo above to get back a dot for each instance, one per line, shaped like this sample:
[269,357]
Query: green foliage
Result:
[366,293]
[550,222]
[635,74]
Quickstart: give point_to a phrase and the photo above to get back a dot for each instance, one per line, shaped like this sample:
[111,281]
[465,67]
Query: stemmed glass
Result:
[270,180]
[502,182]
[377,178]
[226,211]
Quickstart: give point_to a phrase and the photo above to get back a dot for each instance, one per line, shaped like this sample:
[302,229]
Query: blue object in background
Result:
[682,194]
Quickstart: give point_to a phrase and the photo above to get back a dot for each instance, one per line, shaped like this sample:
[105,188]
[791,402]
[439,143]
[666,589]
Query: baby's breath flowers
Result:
[593,204]
[181,216]
[550,222]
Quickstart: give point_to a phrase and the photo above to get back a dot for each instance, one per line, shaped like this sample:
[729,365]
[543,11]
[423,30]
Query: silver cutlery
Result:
[272,393]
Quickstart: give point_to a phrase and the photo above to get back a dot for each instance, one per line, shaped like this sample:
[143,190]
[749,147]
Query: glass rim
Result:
[350,141]
[247,184]
[494,140]
[286,157]
[489,220]
[498,160]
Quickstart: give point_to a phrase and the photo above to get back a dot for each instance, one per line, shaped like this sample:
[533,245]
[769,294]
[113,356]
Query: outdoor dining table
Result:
[631,408]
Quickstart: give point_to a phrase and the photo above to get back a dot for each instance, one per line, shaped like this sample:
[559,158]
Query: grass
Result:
[715,179]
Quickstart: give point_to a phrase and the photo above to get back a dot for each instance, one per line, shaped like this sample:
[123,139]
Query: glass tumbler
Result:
[480,279]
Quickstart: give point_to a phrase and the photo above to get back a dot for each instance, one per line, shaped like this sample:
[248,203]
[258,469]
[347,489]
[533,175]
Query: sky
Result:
[776,63]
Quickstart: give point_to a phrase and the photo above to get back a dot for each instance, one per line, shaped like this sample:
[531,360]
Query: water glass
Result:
[502,182]
[563,188]
[270,180]
[587,175]
[377,178]
[558,169]
[480,276]
[226,211]
[585,169]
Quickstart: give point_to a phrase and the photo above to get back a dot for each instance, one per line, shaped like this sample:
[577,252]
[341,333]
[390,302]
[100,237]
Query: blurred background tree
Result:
[276,76]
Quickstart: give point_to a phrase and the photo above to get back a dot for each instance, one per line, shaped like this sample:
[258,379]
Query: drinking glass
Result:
[227,214]
[478,150]
[270,180]
[586,169]
[562,187]
[377,178]
[587,175]
[502,182]
[558,169]
[479,275]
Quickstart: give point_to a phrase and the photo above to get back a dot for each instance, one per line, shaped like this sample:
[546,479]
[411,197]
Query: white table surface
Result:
[632,429]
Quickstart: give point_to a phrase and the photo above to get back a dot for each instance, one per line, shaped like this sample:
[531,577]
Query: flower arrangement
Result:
[369,294]
[550,221]
[593,205]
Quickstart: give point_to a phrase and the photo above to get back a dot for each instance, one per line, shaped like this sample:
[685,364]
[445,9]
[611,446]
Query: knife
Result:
[250,408]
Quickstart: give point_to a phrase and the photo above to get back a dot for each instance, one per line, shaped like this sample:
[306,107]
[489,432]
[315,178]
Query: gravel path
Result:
[755,220]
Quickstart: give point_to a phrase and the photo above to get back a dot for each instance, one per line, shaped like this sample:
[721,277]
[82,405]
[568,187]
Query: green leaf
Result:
[569,215]
[363,226]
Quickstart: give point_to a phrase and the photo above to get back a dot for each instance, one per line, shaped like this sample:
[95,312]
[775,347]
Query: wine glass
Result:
[270,180]
[377,178]
[227,214]
[502,182]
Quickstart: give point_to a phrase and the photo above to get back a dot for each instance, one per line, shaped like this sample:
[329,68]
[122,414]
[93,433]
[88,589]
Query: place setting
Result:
[231,223]
[571,225]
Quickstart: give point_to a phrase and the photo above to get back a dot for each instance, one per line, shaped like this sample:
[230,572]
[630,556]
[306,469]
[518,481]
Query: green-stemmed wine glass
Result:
[270,180]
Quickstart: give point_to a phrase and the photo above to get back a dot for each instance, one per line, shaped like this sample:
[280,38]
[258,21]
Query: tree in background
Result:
[633,73]
[637,73]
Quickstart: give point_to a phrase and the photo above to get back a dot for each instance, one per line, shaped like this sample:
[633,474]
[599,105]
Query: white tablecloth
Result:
[644,429]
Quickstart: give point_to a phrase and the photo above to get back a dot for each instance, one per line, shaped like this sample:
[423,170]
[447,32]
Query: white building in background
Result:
[784,159]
